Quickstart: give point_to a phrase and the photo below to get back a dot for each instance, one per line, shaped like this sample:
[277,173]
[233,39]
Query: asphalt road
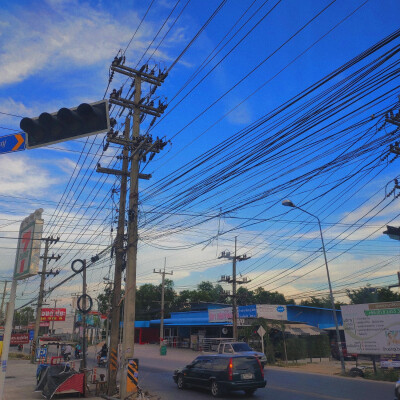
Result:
[155,375]
[281,385]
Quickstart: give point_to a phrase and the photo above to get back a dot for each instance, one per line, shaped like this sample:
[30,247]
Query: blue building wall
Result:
[319,317]
[188,318]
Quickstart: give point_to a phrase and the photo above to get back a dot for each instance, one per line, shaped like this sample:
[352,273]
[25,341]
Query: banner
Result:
[19,338]
[220,315]
[92,319]
[53,314]
[372,328]
[272,311]
[247,311]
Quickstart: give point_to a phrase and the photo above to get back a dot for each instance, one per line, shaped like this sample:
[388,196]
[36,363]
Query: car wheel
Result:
[216,390]
[250,392]
[180,382]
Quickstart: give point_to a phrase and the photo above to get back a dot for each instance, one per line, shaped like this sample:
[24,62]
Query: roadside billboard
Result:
[92,318]
[372,328]
[272,311]
[19,338]
[28,249]
[53,314]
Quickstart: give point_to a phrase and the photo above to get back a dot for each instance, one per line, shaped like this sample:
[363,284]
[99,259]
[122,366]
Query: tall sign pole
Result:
[26,265]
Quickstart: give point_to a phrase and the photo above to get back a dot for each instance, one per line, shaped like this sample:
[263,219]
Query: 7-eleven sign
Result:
[28,250]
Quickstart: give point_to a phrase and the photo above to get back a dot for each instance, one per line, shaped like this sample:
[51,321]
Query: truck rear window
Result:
[241,347]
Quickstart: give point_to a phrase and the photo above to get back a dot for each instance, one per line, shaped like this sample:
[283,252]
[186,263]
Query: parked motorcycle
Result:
[67,356]
[101,360]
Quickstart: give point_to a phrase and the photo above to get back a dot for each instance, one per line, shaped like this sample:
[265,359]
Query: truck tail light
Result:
[230,370]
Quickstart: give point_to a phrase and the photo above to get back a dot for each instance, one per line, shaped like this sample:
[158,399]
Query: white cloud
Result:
[63,34]
[22,176]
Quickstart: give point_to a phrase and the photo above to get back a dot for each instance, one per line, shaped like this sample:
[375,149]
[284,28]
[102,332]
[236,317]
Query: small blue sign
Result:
[41,353]
[280,309]
[247,311]
[4,366]
[31,334]
[11,143]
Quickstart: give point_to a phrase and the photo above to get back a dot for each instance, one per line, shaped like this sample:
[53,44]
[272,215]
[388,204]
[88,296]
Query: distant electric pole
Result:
[48,241]
[2,299]
[234,281]
[52,322]
[163,273]
[139,147]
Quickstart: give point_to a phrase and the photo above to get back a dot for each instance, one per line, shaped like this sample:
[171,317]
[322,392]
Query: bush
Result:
[296,348]
[390,375]
[18,356]
[318,346]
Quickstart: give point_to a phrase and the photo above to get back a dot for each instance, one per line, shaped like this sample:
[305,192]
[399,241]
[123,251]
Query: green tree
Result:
[148,300]
[245,297]
[104,300]
[370,294]
[262,296]
[206,292]
[321,302]
[24,316]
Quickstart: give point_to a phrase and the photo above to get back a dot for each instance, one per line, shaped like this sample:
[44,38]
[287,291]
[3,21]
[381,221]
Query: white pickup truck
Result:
[241,348]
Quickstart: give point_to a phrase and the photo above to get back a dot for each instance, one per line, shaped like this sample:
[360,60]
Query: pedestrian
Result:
[77,351]
[104,351]
[67,352]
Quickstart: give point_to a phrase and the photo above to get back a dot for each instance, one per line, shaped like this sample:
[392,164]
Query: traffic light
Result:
[392,232]
[66,124]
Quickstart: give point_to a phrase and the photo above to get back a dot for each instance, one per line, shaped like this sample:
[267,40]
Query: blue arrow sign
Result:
[11,143]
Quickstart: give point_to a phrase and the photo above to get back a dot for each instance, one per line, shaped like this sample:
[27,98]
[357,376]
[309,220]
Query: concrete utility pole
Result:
[2,299]
[163,273]
[128,340]
[119,262]
[140,146]
[48,241]
[235,282]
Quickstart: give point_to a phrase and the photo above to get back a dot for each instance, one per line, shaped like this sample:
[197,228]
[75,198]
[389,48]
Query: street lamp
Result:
[289,203]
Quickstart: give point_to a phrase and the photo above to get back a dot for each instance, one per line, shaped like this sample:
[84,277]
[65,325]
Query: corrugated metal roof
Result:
[303,329]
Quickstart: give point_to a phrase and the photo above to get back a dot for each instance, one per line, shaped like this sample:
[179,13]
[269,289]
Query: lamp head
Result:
[288,203]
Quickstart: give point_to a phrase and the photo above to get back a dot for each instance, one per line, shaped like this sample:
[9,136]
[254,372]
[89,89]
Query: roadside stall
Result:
[59,378]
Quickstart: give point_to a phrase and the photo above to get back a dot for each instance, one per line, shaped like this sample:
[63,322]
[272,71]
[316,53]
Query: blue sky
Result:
[57,53]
